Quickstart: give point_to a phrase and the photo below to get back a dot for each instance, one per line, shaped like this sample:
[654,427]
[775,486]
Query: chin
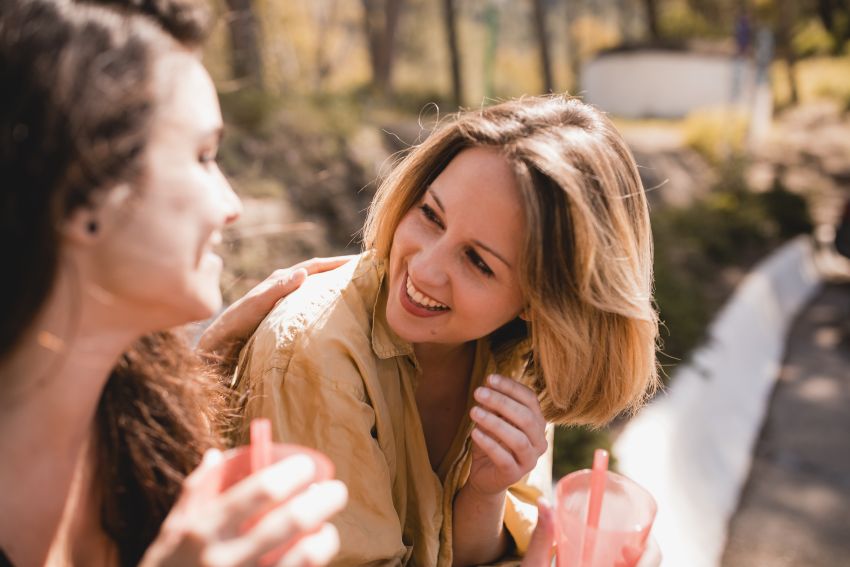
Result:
[204,306]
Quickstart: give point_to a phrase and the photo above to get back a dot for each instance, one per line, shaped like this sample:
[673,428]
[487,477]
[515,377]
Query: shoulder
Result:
[329,316]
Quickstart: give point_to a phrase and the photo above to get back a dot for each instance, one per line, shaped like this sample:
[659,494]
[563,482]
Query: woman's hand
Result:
[209,529]
[541,547]
[226,335]
[509,435]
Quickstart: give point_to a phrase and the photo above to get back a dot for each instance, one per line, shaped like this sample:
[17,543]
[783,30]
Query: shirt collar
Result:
[385,342]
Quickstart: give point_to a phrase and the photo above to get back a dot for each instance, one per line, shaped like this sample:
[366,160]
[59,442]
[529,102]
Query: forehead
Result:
[186,98]
[479,189]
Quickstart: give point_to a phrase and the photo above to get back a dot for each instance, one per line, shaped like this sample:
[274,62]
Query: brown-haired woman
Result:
[506,284]
[111,204]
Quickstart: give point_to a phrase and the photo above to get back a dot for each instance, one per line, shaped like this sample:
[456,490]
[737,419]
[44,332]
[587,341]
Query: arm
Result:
[508,439]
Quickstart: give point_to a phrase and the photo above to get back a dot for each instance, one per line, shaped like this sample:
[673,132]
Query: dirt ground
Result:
[795,507]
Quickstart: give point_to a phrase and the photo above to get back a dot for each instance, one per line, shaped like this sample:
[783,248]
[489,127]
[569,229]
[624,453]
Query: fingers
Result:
[282,526]
[539,552]
[262,491]
[501,457]
[198,486]
[278,285]
[318,265]
[313,550]
[511,438]
[517,405]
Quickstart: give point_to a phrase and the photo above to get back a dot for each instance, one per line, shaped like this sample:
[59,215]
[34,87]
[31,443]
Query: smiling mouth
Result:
[421,300]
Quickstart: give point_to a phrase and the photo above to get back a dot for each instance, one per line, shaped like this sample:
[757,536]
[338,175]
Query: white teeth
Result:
[421,298]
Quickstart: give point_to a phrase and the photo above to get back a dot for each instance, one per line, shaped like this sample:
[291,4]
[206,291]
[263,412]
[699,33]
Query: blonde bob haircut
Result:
[589,348]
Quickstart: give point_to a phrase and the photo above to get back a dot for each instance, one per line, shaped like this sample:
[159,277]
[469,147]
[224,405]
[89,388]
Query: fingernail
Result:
[495,379]
[477,413]
[482,393]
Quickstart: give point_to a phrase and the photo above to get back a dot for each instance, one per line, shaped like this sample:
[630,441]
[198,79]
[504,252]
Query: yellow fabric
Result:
[330,373]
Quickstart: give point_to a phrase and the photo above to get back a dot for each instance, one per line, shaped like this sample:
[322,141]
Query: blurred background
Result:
[737,113]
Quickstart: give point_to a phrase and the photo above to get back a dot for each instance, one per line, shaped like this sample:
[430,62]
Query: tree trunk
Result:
[380,18]
[247,62]
[826,13]
[454,52]
[651,7]
[786,47]
[543,45]
[573,55]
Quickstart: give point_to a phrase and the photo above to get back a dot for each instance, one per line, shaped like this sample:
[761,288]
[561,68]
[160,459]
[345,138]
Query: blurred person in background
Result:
[111,205]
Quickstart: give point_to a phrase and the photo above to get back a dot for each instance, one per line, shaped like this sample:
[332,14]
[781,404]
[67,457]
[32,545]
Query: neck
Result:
[52,382]
[438,357]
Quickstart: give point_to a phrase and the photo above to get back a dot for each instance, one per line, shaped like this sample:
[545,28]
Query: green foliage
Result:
[817,78]
[730,229]
[716,133]
[789,211]
[574,446]
[811,39]
[680,22]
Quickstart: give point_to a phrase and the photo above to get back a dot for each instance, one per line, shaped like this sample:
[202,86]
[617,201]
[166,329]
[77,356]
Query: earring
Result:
[92,227]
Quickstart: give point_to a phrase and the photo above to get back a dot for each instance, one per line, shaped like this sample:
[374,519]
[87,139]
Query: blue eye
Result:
[479,263]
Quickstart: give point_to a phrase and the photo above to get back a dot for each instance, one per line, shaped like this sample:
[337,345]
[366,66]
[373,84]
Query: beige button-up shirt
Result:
[329,372]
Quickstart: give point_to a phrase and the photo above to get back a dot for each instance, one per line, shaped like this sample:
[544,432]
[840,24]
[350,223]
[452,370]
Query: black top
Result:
[4,561]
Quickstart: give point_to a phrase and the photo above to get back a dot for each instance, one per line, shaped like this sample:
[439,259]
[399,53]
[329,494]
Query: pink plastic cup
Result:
[237,465]
[628,511]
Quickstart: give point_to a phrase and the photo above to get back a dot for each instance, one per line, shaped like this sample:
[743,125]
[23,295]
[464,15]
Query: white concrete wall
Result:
[665,83]
[692,446]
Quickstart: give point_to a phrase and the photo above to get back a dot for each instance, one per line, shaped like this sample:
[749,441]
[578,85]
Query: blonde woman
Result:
[505,285]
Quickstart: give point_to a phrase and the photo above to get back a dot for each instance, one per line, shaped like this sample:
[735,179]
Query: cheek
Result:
[404,232]
[493,306]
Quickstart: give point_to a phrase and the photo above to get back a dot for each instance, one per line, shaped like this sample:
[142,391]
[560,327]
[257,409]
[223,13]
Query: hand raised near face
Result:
[509,434]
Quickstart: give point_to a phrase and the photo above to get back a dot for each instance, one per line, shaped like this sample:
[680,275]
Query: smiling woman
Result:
[506,282]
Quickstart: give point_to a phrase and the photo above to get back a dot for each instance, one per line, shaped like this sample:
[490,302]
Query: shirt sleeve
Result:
[521,505]
[314,395]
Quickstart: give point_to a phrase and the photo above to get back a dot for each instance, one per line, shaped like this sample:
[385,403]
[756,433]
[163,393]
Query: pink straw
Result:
[594,505]
[261,443]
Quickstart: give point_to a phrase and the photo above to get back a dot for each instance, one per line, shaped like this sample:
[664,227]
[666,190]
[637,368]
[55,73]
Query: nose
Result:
[428,266]
[232,202]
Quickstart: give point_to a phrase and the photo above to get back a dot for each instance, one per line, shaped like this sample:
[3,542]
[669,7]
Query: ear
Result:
[87,223]
[82,226]
[525,314]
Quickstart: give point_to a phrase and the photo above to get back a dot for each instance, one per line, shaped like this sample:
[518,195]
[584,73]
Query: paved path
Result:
[795,508]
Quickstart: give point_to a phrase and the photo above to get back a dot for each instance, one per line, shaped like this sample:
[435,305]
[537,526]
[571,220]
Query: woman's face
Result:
[158,256]
[455,255]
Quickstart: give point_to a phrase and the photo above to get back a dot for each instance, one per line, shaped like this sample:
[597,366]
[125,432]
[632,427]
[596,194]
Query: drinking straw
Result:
[261,443]
[594,505]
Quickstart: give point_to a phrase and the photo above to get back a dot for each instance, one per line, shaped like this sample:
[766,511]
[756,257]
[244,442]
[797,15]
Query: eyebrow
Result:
[478,243]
